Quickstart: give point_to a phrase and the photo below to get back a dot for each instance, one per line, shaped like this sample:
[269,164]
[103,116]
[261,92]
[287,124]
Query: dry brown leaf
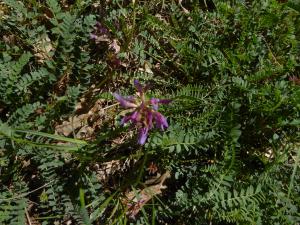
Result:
[146,69]
[136,199]
[9,39]
[85,124]
[184,9]
[42,48]
[108,169]
[3,11]
[102,38]
[67,127]
[85,132]
[115,46]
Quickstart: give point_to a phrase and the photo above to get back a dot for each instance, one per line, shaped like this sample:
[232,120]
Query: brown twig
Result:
[27,216]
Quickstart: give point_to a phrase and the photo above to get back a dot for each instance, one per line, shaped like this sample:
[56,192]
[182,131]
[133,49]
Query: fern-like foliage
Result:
[21,115]
[11,74]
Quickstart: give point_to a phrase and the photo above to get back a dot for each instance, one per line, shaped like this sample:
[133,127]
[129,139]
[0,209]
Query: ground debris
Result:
[136,199]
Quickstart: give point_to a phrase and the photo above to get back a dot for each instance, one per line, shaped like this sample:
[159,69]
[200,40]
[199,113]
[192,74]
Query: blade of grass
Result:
[52,136]
[41,145]
[99,211]
[114,210]
[153,213]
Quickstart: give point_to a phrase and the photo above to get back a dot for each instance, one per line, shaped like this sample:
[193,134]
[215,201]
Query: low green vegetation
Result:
[149,112]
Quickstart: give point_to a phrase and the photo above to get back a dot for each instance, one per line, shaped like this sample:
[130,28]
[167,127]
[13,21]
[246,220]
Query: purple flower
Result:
[93,36]
[99,30]
[138,86]
[144,112]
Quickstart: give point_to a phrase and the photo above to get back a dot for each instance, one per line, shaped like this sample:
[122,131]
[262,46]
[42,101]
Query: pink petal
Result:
[93,36]
[161,121]
[154,102]
[135,116]
[125,102]
[125,119]
[150,119]
[143,134]
[165,101]
[138,86]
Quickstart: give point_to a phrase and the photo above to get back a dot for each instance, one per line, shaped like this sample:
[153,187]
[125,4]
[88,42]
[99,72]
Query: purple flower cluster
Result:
[99,30]
[144,111]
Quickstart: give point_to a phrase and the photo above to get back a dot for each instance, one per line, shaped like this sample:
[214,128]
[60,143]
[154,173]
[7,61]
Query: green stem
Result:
[142,168]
